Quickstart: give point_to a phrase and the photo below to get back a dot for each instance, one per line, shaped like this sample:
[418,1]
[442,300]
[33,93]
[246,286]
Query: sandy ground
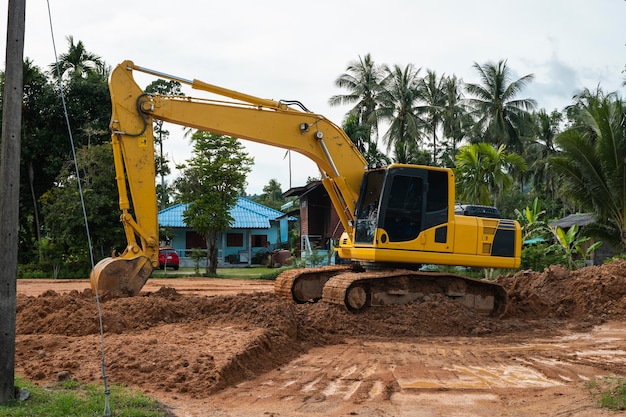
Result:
[207,347]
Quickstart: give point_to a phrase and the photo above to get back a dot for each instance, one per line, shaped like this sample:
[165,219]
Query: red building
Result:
[320,226]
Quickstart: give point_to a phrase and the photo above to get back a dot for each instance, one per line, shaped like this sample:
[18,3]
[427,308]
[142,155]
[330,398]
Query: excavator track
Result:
[356,290]
[359,290]
[304,285]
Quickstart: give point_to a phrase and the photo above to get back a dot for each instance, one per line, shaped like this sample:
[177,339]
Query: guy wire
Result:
[107,392]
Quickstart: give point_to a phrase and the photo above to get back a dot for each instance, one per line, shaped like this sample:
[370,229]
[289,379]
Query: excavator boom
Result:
[266,121]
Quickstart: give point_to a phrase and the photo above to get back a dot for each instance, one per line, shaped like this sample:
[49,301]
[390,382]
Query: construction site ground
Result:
[215,347]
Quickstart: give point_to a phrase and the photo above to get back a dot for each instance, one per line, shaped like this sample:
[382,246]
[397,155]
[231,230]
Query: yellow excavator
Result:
[396,218]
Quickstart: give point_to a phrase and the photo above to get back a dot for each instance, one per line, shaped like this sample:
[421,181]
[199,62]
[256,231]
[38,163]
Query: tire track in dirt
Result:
[436,376]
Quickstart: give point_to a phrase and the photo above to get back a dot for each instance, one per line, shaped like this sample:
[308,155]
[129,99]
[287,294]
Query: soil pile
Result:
[595,294]
[195,345]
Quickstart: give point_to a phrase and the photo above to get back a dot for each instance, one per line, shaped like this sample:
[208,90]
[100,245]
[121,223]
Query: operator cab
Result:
[402,200]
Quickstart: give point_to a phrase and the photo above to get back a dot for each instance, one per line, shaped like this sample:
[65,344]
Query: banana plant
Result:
[572,244]
[530,221]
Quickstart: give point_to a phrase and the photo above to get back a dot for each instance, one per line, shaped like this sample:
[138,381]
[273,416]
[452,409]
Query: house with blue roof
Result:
[255,228]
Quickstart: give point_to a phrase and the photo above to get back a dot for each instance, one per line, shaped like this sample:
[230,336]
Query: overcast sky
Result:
[290,49]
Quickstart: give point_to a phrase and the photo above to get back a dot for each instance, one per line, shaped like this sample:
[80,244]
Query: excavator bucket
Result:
[125,275]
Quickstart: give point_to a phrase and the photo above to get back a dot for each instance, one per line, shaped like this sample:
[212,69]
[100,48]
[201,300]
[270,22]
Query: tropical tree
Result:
[456,119]
[77,62]
[572,246]
[483,172]
[433,95]
[583,99]
[533,226]
[410,153]
[499,114]
[35,87]
[363,80]
[210,183]
[272,195]
[540,149]
[61,205]
[397,106]
[46,147]
[358,134]
[591,164]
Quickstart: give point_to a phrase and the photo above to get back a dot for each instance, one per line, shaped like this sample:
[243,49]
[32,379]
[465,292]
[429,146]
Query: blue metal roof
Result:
[246,213]
[172,216]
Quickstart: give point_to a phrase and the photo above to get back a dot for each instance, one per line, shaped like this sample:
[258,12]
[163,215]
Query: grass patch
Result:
[610,392]
[71,398]
[258,272]
[250,273]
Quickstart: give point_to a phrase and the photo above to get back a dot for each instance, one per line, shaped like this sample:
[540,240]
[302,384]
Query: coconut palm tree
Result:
[368,148]
[397,106]
[456,119]
[356,132]
[499,114]
[363,80]
[540,149]
[484,172]
[77,62]
[592,167]
[433,94]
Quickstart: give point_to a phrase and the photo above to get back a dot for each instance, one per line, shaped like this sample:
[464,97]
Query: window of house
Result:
[234,239]
[259,241]
[194,240]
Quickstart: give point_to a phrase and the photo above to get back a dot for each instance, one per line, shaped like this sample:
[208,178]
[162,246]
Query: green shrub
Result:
[260,257]
[539,257]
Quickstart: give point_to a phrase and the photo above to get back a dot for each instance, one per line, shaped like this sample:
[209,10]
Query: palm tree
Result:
[500,115]
[410,153]
[368,148]
[356,132]
[584,99]
[397,106]
[78,62]
[363,80]
[484,172]
[456,120]
[541,148]
[433,94]
[591,164]
[272,195]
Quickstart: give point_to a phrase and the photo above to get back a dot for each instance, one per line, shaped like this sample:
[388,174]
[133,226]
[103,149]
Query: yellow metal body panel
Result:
[470,243]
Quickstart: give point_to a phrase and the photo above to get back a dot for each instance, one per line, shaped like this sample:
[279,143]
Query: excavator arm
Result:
[276,123]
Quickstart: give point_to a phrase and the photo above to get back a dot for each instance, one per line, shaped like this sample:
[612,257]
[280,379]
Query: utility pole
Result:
[9,192]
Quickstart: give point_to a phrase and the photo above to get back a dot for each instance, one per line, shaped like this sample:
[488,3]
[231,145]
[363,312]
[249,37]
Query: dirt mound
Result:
[159,341]
[76,314]
[593,294]
[195,345]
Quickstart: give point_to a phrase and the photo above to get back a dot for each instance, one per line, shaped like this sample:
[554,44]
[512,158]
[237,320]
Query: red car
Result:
[168,258]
